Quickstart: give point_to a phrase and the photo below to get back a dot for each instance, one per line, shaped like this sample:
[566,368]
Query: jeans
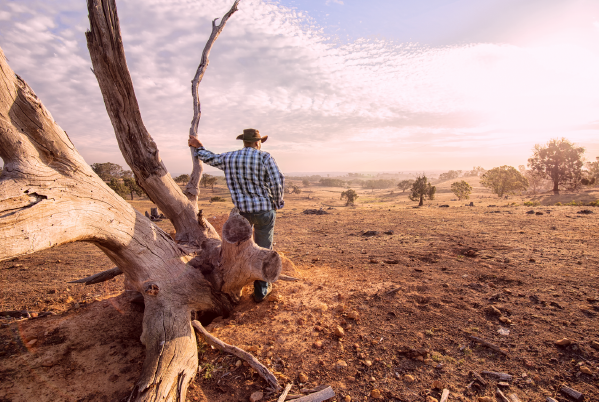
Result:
[264,228]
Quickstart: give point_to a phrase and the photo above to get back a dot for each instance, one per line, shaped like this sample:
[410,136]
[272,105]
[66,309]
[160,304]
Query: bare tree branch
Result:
[192,190]
[137,146]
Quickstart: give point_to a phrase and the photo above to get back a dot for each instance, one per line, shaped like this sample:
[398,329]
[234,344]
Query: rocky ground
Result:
[392,304]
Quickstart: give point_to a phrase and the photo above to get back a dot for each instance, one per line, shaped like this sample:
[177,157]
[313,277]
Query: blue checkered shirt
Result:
[252,175]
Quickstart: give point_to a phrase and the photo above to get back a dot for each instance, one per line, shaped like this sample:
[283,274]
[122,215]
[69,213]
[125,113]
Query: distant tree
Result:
[504,180]
[329,182]
[183,178]
[131,184]
[107,170]
[560,161]
[118,187]
[306,183]
[350,195]
[476,171]
[422,190]
[593,170]
[461,189]
[404,185]
[127,174]
[378,183]
[451,175]
[535,180]
[209,181]
[295,189]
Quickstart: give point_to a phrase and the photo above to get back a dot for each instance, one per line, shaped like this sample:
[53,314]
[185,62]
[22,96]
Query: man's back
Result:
[252,176]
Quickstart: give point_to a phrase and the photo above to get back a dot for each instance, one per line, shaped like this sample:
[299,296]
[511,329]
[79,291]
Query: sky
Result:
[337,85]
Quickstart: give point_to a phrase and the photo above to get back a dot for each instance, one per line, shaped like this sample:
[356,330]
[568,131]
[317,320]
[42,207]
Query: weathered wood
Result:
[444,395]
[489,345]
[288,278]
[478,377]
[242,354]
[105,46]
[501,396]
[192,189]
[319,396]
[100,277]
[501,376]
[572,393]
[283,396]
[513,398]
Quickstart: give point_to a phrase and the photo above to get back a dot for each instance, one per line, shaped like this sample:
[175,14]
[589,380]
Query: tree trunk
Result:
[421,203]
[555,187]
[50,196]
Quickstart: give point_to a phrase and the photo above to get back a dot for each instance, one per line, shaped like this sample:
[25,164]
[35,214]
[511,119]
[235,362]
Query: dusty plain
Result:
[388,315]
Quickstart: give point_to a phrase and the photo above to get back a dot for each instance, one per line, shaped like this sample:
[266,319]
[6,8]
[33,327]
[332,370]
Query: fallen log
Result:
[319,396]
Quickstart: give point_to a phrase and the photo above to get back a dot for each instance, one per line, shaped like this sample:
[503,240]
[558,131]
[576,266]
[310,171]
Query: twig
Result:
[192,188]
[319,396]
[100,277]
[242,354]
[393,291]
[284,394]
[288,278]
[478,377]
[489,345]
[501,376]
[502,396]
[444,395]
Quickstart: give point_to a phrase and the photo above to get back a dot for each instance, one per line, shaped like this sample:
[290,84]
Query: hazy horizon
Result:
[336,84]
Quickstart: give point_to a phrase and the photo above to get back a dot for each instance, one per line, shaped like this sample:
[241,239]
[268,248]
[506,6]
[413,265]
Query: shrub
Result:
[532,203]
[558,204]
[218,199]
[594,203]
[461,189]
[350,195]
[184,178]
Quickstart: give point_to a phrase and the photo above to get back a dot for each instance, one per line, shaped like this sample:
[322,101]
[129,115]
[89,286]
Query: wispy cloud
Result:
[328,2]
[326,106]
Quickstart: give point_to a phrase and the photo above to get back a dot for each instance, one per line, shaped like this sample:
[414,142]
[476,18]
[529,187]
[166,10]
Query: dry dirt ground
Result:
[407,298]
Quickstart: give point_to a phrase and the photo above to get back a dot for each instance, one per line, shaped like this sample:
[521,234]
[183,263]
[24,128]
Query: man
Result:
[256,187]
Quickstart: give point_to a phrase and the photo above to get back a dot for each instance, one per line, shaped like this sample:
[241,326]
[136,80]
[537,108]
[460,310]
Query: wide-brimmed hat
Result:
[251,135]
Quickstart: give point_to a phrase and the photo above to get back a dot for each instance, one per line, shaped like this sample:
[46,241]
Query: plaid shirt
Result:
[253,178]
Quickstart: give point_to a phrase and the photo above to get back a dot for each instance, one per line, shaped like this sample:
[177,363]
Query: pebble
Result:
[341,364]
[368,363]
[353,315]
[431,399]
[347,398]
[376,394]
[408,378]
[31,342]
[238,363]
[437,384]
[595,345]
[494,310]
[256,396]
[339,332]
[503,384]
[563,342]
[318,344]
[302,378]
[586,370]
[505,320]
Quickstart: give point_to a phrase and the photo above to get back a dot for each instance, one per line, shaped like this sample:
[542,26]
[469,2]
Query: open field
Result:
[520,281]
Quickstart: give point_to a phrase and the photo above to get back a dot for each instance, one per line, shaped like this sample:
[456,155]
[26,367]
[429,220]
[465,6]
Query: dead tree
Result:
[50,196]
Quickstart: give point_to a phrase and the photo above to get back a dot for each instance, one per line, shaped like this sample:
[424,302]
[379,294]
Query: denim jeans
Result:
[264,228]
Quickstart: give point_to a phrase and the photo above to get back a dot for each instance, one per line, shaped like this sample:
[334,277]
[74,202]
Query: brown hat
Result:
[251,135]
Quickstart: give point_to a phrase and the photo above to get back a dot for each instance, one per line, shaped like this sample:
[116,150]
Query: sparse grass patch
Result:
[218,199]
[532,203]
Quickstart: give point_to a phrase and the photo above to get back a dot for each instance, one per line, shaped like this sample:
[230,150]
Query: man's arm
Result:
[277,182]
[206,156]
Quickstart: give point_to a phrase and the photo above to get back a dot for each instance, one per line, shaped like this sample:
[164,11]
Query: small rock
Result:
[341,364]
[503,384]
[586,370]
[318,344]
[374,261]
[539,213]
[563,342]
[323,307]
[409,378]
[431,399]
[494,310]
[437,384]
[595,345]
[302,378]
[347,398]
[353,315]
[530,212]
[368,363]
[238,363]
[485,399]
[505,320]
[376,394]
[339,332]
[256,396]
[31,343]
